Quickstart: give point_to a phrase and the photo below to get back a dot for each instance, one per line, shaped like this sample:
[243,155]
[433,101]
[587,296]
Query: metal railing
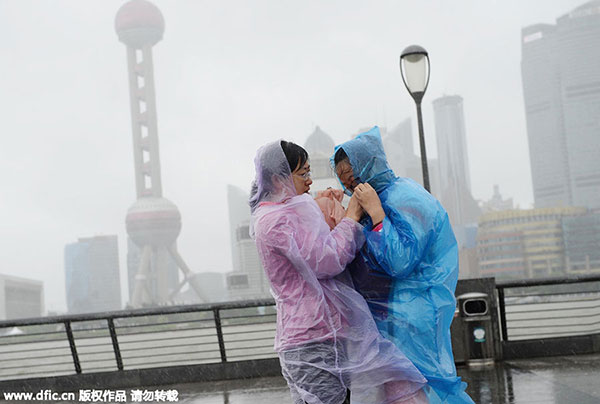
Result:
[244,330]
[137,339]
[547,308]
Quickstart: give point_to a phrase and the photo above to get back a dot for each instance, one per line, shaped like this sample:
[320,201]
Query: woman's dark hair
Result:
[340,155]
[295,155]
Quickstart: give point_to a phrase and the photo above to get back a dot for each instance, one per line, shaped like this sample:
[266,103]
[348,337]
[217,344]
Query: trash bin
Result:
[474,309]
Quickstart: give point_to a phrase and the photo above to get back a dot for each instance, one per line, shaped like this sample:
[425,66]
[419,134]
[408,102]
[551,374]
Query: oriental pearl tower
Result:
[153,222]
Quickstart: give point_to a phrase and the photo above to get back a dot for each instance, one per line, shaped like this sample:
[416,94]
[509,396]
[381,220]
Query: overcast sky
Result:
[230,76]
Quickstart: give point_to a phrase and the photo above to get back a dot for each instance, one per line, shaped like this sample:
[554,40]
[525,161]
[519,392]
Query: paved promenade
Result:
[559,380]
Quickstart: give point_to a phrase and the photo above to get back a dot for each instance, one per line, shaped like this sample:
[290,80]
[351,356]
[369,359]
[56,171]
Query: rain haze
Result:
[231,76]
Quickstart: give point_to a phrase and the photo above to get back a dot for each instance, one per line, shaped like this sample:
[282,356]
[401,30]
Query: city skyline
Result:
[227,85]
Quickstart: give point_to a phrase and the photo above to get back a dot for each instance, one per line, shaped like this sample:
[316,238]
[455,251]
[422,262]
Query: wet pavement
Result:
[558,380]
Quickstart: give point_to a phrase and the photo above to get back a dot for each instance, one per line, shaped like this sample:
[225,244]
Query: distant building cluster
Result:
[538,243]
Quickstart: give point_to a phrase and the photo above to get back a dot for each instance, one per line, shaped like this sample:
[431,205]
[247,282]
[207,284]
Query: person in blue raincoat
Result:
[408,267]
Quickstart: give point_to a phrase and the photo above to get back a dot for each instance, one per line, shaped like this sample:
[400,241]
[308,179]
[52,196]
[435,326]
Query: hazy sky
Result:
[230,76]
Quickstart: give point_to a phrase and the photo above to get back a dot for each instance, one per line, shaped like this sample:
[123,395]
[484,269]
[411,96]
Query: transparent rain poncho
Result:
[408,271]
[326,337]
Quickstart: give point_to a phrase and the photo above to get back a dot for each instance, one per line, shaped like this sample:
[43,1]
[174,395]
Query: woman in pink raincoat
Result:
[326,337]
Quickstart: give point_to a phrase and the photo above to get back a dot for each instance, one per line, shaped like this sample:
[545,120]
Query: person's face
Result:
[344,172]
[301,177]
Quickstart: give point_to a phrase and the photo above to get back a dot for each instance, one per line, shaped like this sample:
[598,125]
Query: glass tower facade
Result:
[561,86]
[92,280]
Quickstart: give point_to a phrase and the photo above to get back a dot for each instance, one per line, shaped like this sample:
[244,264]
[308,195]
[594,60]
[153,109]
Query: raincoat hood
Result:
[273,181]
[368,160]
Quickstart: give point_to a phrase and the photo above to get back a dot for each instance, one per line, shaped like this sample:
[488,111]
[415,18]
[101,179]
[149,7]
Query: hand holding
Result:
[354,210]
[370,202]
[332,193]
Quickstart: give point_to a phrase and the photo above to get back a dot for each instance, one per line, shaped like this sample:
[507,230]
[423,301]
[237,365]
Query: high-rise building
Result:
[247,280]
[239,212]
[399,150]
[561,87]
[20,298]
[451,141]
[515,244]
[402,138]
[453,161]
[92,280]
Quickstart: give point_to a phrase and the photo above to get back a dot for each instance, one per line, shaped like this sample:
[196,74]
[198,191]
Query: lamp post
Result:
[414,67]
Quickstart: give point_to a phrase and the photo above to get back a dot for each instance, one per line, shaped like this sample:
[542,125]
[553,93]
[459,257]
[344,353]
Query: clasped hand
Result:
[365,199]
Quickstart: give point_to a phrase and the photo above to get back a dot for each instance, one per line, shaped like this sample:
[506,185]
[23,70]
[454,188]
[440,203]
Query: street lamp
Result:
[414,66]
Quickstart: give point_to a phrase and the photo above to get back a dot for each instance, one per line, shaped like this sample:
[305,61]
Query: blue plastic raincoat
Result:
[326,337]
[408,270]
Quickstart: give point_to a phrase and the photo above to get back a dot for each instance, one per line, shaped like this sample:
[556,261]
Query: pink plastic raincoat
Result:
[326,337]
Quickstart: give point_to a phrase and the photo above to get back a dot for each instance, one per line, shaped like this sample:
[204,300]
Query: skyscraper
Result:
[561,86]
[399,149]
[247,280]
[451,141]
[92,281]
[239,212]
[20,297]
[455,178]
